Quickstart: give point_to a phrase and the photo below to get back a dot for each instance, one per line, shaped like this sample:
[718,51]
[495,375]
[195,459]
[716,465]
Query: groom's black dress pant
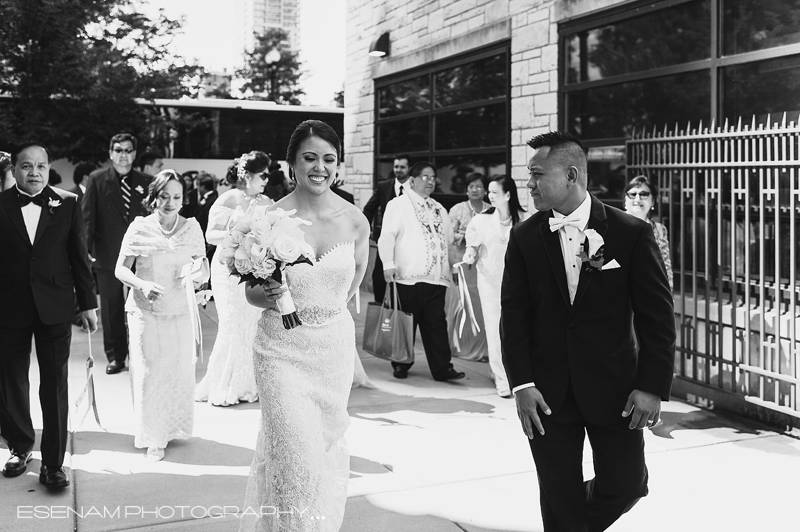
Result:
[568,503]
[52,354]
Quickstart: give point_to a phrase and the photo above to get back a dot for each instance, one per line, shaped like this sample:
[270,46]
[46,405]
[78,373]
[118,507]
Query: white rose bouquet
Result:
[259,246]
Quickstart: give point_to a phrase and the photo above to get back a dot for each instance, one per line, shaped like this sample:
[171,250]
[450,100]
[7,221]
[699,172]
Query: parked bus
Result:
[208,134]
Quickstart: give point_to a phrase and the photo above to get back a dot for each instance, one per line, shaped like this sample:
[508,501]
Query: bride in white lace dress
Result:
[229,376]
[298,478]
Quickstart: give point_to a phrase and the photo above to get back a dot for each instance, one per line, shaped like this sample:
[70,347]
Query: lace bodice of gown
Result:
[320,291]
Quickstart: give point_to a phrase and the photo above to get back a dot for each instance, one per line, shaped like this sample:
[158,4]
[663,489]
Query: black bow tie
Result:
[38,199]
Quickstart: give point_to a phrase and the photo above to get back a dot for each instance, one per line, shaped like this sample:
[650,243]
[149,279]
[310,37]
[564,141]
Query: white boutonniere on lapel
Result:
[139,189]
[591,254]
[52,204]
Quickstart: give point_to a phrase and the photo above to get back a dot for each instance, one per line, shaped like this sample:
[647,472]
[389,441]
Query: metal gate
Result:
[730,198]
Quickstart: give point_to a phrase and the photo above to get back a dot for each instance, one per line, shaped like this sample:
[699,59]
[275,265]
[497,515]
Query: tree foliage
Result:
[71,70]
[279,80]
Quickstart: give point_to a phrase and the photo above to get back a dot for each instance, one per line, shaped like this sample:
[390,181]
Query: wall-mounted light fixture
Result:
[380,46]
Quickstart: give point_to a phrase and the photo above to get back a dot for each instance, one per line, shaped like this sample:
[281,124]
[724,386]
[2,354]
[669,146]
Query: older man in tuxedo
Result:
[113,198]
[44,260]
[588,340]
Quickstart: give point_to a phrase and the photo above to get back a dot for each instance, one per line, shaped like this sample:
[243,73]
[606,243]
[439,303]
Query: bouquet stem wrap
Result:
[288,311]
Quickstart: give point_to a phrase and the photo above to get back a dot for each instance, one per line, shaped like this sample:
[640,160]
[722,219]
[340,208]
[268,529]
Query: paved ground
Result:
[426,457]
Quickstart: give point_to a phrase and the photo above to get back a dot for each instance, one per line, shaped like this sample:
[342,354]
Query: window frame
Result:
[715,64]
[430,69]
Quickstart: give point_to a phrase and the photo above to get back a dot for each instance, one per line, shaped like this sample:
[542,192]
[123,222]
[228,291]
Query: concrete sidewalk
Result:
[425,457]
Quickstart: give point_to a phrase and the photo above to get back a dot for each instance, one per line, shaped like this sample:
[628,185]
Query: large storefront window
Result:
[454,113]
[655,64]
[765,89]
[656,39]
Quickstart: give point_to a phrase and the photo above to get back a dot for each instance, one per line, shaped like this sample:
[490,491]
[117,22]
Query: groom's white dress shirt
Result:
[572,237]
[31,214]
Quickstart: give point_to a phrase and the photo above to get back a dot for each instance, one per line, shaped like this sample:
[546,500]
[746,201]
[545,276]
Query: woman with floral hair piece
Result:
[229,377]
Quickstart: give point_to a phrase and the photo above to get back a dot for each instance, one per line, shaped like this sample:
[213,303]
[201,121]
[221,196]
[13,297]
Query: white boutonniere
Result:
[52,204]
[592,250]
[139,189]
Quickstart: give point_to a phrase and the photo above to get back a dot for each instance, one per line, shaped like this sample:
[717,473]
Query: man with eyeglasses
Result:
[112,200]
[376,207]
[415,246]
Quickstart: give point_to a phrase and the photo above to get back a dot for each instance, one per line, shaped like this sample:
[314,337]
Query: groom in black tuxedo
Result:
[44,263]
[588,340]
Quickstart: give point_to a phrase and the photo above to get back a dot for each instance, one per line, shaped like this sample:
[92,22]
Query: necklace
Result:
[254,197]
[473,209]
[168,231]
[507,221]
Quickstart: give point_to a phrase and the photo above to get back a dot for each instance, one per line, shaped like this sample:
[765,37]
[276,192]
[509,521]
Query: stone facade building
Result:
[467,82]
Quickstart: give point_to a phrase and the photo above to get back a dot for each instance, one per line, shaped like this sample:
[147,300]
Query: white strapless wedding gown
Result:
[298,478]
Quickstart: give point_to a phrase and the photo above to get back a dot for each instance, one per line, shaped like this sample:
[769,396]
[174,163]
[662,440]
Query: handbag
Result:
[388,331]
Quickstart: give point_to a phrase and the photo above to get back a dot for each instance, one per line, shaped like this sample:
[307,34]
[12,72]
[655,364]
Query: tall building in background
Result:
[258,15]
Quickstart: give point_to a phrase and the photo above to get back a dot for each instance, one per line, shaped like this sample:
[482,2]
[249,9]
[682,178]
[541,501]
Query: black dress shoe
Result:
[53,477]
[400,372]
[115,366]
[451,375]
[17,464]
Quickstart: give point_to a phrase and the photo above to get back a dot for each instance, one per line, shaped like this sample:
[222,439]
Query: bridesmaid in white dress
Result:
[162,349]
[487,239]
[229,376]
[301,463]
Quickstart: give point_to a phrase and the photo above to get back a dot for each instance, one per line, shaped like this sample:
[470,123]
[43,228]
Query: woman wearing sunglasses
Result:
[639,200]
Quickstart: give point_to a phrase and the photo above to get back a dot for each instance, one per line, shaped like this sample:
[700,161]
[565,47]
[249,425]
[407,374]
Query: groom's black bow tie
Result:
[38,199]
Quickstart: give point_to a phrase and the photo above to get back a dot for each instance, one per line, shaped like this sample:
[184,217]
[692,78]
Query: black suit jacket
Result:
[104,212]
[40,277]
[376,205]
[591,343]
[203,208]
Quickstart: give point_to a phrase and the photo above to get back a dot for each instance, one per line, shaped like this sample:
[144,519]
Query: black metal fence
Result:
[730,198]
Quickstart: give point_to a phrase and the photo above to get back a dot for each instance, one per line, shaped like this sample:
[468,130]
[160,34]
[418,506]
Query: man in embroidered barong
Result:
[414,245]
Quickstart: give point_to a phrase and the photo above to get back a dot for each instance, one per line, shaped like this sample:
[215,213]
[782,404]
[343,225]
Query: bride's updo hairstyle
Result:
[158,184]
[312,128]
[254,162]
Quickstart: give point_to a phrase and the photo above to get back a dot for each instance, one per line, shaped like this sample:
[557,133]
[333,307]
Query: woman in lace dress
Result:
[487,238]
[301,463]
[162,349]
[639,199]
[229,377]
